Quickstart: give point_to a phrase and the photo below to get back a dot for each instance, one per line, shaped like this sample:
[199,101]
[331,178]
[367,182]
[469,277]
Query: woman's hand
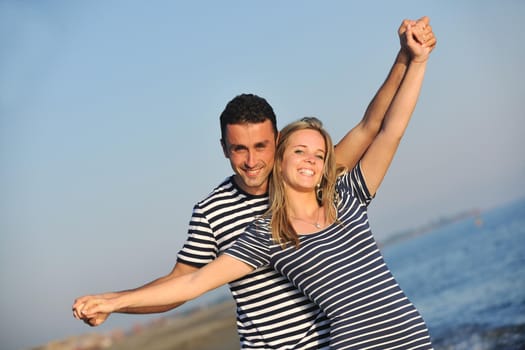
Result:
[423,40]
[81,308]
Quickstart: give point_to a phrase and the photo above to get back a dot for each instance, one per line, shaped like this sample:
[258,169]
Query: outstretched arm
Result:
[379,155]
[354,144]
[171,291]
[178,270]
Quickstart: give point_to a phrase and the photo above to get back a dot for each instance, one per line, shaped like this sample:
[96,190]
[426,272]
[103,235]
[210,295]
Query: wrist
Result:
[419,59]
[418,65]
[119,303]
[403,57]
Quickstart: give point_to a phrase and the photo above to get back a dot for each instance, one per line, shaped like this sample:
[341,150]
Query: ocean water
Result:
[468,279]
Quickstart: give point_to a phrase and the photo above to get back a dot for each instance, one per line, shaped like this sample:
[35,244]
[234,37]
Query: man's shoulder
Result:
[227,194]
[224,188]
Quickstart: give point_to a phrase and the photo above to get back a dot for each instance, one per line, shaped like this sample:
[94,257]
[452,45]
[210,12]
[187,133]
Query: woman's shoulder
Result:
[260,224]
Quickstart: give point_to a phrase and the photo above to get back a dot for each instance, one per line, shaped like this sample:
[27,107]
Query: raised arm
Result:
[170,291]
[354,144]
[379,155]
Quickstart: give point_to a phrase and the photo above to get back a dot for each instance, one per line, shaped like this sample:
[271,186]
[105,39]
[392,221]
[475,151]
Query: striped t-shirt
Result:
[271,312]
[341,269]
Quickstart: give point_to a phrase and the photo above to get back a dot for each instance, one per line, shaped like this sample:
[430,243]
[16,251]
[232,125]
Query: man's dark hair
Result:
[247,108]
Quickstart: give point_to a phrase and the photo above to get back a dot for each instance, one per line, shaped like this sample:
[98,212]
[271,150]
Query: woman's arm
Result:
[379,155]
[353,145]
[175,290]
[178,270]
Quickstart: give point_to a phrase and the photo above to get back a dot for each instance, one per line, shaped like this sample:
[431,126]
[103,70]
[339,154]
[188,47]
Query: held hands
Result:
[88,309]
[417,39]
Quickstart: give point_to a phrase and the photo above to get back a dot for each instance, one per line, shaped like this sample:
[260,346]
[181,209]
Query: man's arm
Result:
[379,155]
[354,144]
[172,291]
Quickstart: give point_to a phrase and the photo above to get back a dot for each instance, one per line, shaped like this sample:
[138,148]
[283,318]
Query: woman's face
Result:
[303,160]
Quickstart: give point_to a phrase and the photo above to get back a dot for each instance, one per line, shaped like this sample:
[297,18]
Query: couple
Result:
[306,274]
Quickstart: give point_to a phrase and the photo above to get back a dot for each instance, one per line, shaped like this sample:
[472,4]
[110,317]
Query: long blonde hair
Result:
[281,227]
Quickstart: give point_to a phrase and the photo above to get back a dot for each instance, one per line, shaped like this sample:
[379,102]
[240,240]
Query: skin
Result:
[303,161]
[302,169]
[250,150]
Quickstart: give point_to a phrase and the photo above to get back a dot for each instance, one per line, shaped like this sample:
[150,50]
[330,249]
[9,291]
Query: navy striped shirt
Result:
[341,269]
[271,312]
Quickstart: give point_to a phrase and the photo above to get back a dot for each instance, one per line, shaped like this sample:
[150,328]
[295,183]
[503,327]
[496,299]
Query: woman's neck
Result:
[301,204]
[305,213]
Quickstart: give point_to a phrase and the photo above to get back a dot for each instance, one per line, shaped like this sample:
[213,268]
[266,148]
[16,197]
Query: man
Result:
[271,312]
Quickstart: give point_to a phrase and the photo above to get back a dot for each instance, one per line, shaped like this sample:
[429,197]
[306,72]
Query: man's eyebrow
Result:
[262,143]
[237,145]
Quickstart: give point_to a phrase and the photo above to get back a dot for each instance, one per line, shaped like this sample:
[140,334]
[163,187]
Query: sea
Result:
[467,279]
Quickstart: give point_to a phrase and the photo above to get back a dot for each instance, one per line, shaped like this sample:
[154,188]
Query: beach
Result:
[207,328]
[210,328]
[466,278]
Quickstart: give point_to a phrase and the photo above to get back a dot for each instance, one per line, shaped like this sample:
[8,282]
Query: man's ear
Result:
[224,148]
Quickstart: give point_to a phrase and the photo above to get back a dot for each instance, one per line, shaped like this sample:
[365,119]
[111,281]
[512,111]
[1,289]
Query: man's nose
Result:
[251,160]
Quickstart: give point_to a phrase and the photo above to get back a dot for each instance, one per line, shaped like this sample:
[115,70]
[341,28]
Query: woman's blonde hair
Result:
[281,227]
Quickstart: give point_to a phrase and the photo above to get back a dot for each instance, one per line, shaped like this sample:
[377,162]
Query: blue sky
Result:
[109,126]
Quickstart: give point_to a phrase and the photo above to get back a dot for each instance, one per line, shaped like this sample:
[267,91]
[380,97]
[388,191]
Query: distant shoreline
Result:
[444,221]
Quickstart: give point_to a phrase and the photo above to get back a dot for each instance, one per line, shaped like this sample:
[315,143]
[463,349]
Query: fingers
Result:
[90,308]
[97,320]
[410,35]
[425,34]
[418,52]
[417,38]
[420,31]
[77,311]
[403,27]
[79,305]
[424,19]
[431,42]
[86,307]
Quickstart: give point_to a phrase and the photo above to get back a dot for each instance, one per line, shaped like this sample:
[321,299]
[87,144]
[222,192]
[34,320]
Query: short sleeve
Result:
[253,245]
[354,182]
[200,247]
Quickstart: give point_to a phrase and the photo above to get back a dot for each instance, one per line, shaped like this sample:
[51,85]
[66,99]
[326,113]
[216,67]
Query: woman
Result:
[317,235]
[321,241]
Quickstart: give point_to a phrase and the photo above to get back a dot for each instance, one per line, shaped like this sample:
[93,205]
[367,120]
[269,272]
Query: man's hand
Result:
[93,309]
[418,52]
[92,320]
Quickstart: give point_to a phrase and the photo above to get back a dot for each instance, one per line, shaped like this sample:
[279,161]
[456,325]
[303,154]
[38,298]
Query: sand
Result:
[208,328]
[211,328]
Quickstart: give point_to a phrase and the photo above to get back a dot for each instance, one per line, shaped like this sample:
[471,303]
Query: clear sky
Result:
[109,128]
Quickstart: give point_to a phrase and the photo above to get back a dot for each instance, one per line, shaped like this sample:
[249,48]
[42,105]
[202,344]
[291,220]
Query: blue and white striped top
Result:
[271,312]
[341,269]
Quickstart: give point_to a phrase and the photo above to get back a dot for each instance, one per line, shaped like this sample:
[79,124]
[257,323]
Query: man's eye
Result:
[238,149]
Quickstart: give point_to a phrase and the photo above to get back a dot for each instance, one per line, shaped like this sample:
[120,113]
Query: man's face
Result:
[251,150]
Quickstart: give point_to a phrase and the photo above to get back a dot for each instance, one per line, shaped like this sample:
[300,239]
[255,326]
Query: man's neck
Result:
[251,190]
